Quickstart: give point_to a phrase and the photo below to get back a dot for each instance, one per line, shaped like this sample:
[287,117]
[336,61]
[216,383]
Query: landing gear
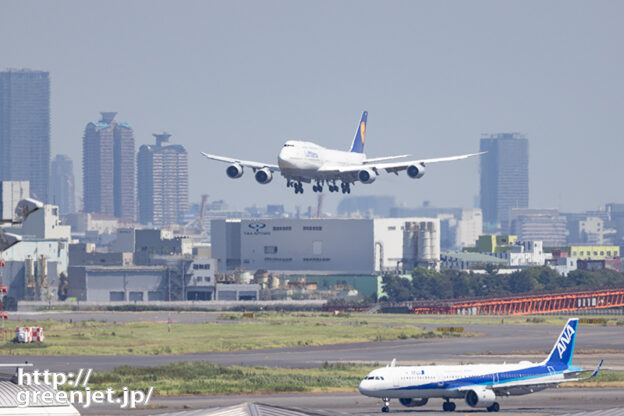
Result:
[298,187]
[333,187]
[386,407]
[318,187]
[494,407]
[448,406]
[346,188]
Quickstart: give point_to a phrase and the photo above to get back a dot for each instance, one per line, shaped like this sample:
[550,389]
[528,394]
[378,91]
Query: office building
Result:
[62,185]
[25,129]
[546,225]
[504,178]
[108,164]
[162,182]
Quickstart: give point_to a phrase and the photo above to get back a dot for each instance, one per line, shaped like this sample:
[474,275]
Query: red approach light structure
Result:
[527,305]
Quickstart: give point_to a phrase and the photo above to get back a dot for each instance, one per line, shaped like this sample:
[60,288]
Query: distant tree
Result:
[63,287]
[398,289]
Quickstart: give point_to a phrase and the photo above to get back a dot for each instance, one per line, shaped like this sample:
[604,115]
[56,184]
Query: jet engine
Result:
[367,176]
[234,171]
[264,176]
[480,398]
[414,402]
[416,171]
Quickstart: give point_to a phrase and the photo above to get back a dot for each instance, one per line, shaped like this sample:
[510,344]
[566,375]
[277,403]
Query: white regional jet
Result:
[478,384]
[300,161]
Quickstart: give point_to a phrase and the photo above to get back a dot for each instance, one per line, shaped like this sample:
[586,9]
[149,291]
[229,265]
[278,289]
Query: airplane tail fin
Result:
[563,350]
[358,141]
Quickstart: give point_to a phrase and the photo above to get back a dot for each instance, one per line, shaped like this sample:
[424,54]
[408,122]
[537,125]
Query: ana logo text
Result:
[564,340]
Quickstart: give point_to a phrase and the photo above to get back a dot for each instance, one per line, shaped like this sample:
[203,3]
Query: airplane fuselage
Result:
[304,159]
[453,381]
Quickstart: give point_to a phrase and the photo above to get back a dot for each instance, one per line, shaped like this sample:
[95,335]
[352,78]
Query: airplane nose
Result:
[362,388]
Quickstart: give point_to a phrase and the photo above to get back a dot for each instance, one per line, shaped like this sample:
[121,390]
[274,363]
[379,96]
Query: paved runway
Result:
[498,343]
[549,402]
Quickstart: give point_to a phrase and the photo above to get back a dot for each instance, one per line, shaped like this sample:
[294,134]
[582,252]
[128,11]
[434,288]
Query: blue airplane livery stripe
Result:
[488,379]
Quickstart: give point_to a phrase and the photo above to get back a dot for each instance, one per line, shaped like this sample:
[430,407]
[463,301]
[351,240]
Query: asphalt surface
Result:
[549,402]
[495,343]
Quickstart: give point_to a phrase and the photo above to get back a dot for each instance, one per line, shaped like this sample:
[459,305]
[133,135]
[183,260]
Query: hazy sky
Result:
[240,77]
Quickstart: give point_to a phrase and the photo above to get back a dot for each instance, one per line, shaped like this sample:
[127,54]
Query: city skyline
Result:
[432,77]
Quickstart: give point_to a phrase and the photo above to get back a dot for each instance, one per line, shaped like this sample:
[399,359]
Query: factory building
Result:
[11,192]
[33,266]
[351,246]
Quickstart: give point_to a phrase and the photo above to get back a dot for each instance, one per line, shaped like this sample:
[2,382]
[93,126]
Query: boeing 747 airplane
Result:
[478,384]
[301,161]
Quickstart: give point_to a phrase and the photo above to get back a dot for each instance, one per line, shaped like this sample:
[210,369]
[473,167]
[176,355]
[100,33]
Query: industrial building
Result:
[33,266]
[459,227]
[162,182]
[25,129]
[11,192]
[340,246]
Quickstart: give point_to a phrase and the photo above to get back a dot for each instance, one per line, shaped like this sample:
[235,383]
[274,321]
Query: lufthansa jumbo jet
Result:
[300,161]
[477,384]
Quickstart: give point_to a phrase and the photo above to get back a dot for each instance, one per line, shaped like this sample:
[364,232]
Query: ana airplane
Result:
[300,161]
[478,384]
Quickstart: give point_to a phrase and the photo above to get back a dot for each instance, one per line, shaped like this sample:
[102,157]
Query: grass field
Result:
[150,338]
[207,378]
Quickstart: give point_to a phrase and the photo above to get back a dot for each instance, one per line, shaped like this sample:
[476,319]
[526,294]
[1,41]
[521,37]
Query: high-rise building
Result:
[62,190]
[25,129]
[504,178]
[108,167]
[162,182]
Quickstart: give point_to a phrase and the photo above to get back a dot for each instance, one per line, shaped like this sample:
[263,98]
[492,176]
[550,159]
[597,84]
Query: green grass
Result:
[206,378]
[151,338]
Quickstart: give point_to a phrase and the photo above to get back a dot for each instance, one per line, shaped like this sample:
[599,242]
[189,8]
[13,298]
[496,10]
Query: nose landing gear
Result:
[386,406]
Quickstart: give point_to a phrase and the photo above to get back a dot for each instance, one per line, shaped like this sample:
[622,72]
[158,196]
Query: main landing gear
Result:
[318,187]
[297,185]
[346,188]
[495,407]
[448,406]
[386,406]
[333,187]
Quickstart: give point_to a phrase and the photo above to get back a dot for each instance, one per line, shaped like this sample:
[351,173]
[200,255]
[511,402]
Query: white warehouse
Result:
[362,246]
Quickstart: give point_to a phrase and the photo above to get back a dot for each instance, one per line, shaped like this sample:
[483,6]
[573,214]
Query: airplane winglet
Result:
[597,370]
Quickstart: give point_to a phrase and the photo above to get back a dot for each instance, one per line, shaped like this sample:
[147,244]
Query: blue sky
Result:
[240,77]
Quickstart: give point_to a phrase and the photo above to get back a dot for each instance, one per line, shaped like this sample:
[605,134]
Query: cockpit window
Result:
[288,145]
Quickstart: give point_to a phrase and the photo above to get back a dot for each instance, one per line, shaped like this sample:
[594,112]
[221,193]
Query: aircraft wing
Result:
[247,163]
[392,167]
